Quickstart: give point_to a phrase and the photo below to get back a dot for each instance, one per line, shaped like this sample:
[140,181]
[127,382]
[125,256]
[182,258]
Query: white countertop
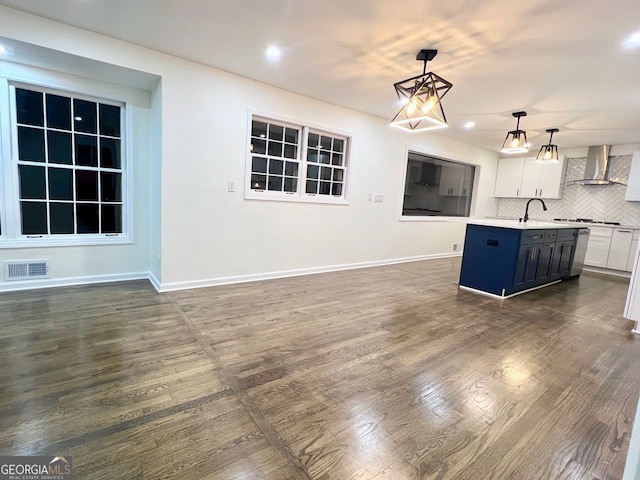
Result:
[516,225]
[600,225]
[547,224]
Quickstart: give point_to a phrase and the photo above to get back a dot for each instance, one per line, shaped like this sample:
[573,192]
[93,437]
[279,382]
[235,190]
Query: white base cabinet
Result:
[612,248]
[620,248]
[632,305]
[598,247]
[633,251]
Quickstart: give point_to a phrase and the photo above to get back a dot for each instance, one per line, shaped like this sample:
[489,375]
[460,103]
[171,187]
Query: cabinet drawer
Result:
[530,237]
[566,234]
[550,236]
[600,231]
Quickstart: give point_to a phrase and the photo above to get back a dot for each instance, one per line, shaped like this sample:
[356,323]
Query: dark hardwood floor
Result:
[380,373]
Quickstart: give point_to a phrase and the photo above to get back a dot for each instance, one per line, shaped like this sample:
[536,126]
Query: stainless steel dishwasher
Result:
[582,240]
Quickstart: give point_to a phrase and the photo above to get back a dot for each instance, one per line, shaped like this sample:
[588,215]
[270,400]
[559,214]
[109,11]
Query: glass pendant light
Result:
[516,140]
[548,153]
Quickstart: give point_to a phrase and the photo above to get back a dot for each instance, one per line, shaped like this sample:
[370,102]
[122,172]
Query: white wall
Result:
[209,234]
[88,264]
[206,235]
[155,180]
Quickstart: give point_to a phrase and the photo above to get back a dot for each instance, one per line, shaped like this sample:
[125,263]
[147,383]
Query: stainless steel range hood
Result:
[596,171]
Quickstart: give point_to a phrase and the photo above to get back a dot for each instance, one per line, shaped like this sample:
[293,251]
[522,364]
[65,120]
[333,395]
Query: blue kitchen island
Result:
[503,258]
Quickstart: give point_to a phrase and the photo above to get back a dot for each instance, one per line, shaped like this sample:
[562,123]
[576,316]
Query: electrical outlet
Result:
[456,246]
[231,186]
[378,198]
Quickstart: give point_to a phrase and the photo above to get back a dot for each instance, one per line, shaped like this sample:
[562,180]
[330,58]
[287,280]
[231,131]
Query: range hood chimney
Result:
[596,171]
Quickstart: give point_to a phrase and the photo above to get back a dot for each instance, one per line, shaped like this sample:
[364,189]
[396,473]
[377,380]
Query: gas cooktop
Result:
[584,220]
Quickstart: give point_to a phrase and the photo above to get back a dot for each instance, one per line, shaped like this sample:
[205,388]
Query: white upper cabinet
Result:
[524,178]
[452,182]
[531,175]
[509,177]
[633,185]
[552,179]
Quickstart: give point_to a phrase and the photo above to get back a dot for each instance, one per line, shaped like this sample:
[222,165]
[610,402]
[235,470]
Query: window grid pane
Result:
[274,161]
[276,167]
[326,168]
[82,190]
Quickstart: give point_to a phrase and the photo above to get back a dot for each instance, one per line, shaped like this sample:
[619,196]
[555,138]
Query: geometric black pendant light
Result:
[516,140]
[421,97]
[548,153]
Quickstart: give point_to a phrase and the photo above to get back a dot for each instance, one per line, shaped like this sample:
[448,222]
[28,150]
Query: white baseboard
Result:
[18,285]
[607,271]
[209,282]
[154,281]
[212,282]
[500,297]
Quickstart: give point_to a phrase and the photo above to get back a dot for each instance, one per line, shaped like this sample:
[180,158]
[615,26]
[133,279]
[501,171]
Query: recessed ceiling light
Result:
[273,53]
[469,125]
[633,40]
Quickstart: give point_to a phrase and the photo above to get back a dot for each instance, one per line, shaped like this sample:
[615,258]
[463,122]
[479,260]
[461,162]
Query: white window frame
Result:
[12,236]
[300,195]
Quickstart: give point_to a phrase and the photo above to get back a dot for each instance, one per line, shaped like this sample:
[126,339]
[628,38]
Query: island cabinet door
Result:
[531,252]
[563,255]
[526,271]
[566,258]
[544,265]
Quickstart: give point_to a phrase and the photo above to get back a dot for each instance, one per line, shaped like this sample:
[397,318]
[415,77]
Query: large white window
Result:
[294,162]
[67,167]
[436,187]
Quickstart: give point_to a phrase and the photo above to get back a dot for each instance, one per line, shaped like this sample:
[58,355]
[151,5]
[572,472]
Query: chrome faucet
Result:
[526,210]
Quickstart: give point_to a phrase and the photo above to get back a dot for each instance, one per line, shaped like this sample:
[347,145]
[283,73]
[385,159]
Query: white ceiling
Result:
[564,62]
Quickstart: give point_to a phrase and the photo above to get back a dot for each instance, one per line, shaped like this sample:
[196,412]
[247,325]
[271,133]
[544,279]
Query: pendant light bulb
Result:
[412,106]
[429,104]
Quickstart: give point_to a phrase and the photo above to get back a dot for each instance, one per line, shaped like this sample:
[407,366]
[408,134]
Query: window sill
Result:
[296,199]
[64,242]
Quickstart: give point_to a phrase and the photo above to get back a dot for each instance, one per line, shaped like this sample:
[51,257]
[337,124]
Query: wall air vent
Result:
[26,270]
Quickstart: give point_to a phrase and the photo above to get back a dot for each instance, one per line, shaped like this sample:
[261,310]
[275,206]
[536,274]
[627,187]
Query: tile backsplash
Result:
[599,202]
